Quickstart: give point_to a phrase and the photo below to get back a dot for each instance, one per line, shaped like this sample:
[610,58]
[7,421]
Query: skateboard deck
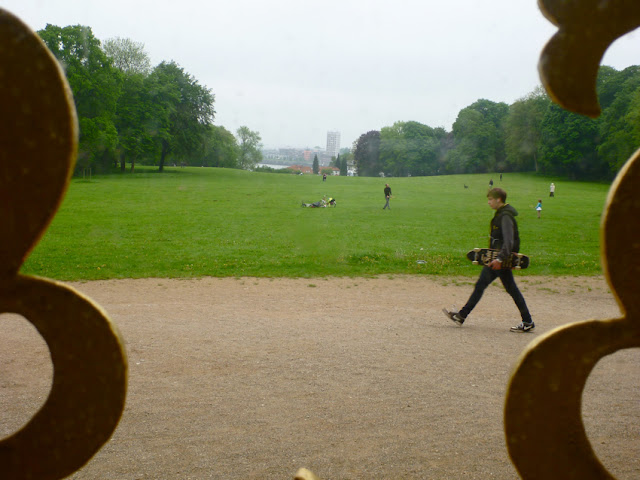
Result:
[484,256]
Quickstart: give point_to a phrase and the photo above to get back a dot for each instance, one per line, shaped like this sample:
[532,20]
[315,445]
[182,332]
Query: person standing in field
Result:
[539,207]
[552,190]
[506,239]
[387,196]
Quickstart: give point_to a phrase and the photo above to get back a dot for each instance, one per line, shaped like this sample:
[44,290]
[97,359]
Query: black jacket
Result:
[504,232]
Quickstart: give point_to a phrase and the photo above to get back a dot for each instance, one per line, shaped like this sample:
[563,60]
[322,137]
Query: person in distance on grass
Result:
[387,195]
[505,238]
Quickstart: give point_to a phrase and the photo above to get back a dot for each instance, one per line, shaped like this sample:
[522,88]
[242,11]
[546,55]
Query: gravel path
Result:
[352,378]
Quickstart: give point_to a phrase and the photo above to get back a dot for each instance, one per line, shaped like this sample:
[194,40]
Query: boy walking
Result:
[506,239]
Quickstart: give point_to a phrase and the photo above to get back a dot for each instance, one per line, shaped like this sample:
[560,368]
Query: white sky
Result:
[294,69]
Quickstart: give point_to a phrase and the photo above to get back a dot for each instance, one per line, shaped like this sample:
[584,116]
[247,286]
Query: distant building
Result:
[283,156]
[333,144]
[307,155]
[303,169]
[334,170]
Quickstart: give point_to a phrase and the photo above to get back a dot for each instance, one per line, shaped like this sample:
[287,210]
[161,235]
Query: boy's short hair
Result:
[498,193]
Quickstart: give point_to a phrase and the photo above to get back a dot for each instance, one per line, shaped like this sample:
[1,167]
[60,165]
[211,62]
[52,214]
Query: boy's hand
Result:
[496,264]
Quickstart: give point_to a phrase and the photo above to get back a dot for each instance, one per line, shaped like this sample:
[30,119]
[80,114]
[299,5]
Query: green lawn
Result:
[192,222]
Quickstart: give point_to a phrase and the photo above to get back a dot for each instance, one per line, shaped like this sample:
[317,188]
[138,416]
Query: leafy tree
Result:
[184,111]
[249,146]
[583,148]
[127,55]
[619,94]
[569,145]
[366,154]
[424,148]
[479,137]
[135,120]
[523,131]
[470,134]
[393,151]
[316,165]
[221,148]
[343,164]
[96,86]
[410,148]
[611,82]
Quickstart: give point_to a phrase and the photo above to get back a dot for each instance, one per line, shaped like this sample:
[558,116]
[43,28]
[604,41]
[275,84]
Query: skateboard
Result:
[484,256]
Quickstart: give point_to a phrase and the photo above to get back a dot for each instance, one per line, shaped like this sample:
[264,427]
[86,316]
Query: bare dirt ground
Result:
[351,378]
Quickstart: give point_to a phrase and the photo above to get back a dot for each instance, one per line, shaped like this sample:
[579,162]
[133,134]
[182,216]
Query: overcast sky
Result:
[294,69]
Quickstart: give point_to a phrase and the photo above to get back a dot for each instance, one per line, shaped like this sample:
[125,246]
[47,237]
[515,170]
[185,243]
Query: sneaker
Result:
[523,327]
[455,317]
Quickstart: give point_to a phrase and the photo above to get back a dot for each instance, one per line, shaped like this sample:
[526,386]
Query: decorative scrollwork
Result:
[570,61]
[38,135]
[543,405]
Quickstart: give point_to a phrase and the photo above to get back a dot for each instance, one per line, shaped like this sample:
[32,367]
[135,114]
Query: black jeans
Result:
[506,277]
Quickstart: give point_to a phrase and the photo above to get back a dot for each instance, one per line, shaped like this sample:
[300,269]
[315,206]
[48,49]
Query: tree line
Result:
[129,112]
[132,113]
[532,134]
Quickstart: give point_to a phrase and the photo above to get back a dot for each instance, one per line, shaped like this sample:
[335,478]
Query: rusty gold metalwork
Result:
[304,474]
[544,431]
[38,135]
[38,144]
[569,62]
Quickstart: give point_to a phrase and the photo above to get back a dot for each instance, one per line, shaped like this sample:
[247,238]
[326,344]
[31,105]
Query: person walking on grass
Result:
[387,196]
[505,238]
[539,207]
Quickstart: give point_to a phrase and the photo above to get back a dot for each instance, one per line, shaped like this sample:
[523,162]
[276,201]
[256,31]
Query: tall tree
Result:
[96,86]
[344,169]
[366,154]
[523,130]
[136,120]
[393,150]
[185,111]
[221,148]
[316,165]
[569,145]
[619,94]
[479,137]
[127,55]
[410,148]
[249,153]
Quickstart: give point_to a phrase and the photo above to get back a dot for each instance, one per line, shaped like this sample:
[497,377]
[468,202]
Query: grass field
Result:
[193,222]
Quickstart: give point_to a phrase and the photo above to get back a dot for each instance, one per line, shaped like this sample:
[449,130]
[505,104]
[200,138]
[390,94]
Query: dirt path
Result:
[351,378]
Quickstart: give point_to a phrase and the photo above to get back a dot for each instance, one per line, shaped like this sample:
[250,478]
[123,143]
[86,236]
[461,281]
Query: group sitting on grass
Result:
[323,202]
